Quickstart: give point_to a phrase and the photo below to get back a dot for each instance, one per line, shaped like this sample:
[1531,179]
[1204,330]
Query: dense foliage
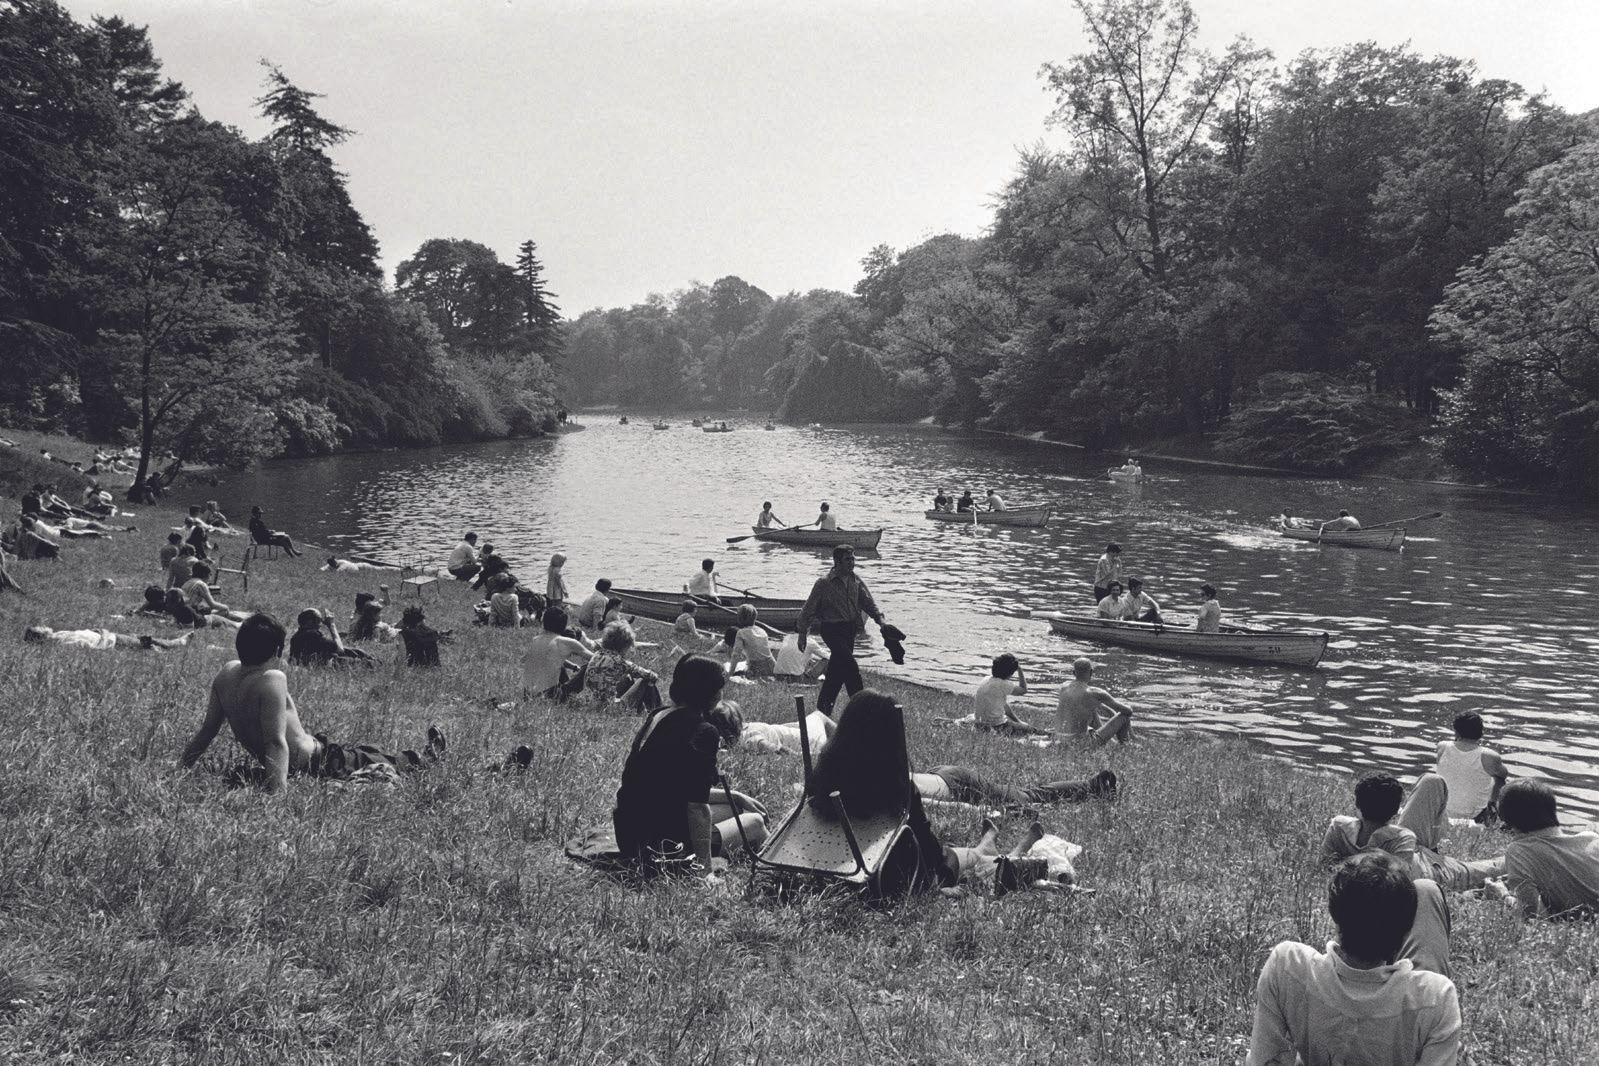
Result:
[1206,220]
[166,281]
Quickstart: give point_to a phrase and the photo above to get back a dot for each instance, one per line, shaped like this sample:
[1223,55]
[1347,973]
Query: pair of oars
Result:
[747,536]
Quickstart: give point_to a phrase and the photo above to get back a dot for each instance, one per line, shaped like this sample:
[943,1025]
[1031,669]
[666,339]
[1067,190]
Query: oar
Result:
[1404,521]
[734,588]
[747,536]
[778,633]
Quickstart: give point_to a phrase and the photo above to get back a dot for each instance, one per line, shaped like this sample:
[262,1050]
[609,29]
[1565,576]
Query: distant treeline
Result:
[167,281]
[1317,260]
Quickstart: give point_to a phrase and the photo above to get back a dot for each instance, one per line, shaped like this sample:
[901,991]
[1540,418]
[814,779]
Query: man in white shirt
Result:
[591,610]
[1209,618]
[826,520]
[463,564]
[1355,1003]
[794,663]
[703,584]
[994,501]
[1140,606]
[992,699]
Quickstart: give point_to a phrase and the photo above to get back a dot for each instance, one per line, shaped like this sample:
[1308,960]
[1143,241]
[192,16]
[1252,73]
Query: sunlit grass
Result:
[149,915]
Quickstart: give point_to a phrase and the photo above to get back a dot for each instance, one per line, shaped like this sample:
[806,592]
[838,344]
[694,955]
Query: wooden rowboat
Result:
[666,606]
[1391,539]
[1283,647]
[1018,516]
[864,539]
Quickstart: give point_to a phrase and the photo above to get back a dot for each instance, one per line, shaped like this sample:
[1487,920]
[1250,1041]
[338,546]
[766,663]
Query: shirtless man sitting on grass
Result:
[1080,707]
[251,694]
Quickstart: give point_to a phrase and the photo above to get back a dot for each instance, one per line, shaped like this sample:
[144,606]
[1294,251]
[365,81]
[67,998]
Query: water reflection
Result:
[1487,609]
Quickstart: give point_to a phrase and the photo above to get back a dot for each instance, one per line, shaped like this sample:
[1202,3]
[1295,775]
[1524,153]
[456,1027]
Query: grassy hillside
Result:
[151,915]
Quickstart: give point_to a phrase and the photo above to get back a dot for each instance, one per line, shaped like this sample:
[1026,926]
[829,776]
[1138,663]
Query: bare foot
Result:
[1035,833]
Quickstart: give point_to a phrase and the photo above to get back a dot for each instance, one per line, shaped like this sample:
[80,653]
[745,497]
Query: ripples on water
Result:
[1489,608]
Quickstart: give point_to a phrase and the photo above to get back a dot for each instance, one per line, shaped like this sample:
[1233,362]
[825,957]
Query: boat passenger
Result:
[1130,468]
[942,502]
[827,519]
[703,583]
[994,501]
[1113,605]
[1140,606]
[1107,570]
[1209,617]
[991,701]
[965,504]
[1084,713]
[766,519]
[1344,521]
[751,646]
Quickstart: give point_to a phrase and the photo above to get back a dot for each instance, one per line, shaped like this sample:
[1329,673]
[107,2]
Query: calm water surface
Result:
[1490,608]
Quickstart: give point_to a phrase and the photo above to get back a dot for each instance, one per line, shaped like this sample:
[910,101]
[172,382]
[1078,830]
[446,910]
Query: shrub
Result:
[1313,422]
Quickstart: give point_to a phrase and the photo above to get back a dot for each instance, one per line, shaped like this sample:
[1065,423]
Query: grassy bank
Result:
[148,915]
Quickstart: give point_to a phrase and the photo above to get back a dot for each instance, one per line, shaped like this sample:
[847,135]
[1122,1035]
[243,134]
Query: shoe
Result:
[522,757]
[436,742]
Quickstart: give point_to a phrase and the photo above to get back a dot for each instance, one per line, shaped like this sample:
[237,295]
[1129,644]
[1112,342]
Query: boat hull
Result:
[864,539]
[1030,517]
[1259,646]
[666,606]
[1381,539]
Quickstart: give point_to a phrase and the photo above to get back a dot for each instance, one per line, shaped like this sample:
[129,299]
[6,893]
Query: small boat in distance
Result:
[1011,516]
[660,425]
[623,420]
[716,427]
[770,427]
[666,606]
[1280,646]
[865,539]
[697,422]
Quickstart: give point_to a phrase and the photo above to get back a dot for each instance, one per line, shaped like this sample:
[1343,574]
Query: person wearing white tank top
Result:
[1474,774]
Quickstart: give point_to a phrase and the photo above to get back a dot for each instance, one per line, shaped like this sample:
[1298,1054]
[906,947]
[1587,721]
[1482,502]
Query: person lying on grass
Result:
[311,647]
[1086,714]
[1360,1001]
[197,593]
[1425,814]
[1549,871]
[994,713]
[178,609]
[663,811]
[251,694]
[98,639]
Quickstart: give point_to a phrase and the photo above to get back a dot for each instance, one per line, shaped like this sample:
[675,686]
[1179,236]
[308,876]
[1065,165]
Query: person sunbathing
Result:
[311,647]
[177,608]
[768,737]
[197,593]
[663,811]
[251,694]
[98,639]
[1081,711]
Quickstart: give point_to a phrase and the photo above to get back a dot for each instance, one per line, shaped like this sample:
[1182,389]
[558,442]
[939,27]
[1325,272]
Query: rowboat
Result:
[1391,539]
[1120,473]
[821,538]
[660,425]
[1017,516]
[666,606]
[1283,647]
[716,427]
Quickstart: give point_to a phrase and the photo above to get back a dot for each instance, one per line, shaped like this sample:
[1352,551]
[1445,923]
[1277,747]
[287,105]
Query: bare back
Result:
[256,703]
[1079,708]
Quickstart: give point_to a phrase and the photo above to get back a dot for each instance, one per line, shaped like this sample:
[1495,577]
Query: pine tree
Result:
[541,317]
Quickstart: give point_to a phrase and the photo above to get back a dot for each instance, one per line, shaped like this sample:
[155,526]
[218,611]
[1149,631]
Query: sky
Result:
[649,145]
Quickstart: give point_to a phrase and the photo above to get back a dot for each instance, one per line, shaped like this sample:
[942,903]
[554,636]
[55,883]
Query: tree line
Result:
[169,282]
[1310,262]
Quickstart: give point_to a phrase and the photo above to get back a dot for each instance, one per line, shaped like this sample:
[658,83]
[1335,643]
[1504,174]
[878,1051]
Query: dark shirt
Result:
[663,774]
[184,615]
[838,597]
[421,645]
[30,503]
[311,647]
[259,531]
[197,538]
[965,503]
[940,502]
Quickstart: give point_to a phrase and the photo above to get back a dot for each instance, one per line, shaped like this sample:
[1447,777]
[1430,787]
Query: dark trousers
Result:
[842,669]
[967,785]
[1100,592]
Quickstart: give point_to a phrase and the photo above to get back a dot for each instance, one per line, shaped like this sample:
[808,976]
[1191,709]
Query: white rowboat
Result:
[1019,516]
[864,539]
[1283,647]
[1391,539]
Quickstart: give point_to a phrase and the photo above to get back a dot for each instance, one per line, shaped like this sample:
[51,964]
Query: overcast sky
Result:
[646,145]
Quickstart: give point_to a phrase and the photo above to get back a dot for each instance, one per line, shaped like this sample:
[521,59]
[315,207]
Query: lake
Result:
[1489,608]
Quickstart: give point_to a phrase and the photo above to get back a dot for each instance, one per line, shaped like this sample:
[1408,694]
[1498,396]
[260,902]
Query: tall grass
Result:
[152,915]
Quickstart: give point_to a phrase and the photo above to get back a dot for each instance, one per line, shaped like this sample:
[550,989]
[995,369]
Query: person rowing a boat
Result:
[827,520]
[766,519]
[1130,468]
[1209,617]
[1344,521]
[994,501]
[965,504]
[703,584]
[1081,710]
[1139,605]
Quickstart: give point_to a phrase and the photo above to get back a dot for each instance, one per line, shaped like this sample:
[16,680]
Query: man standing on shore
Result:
[836,604]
